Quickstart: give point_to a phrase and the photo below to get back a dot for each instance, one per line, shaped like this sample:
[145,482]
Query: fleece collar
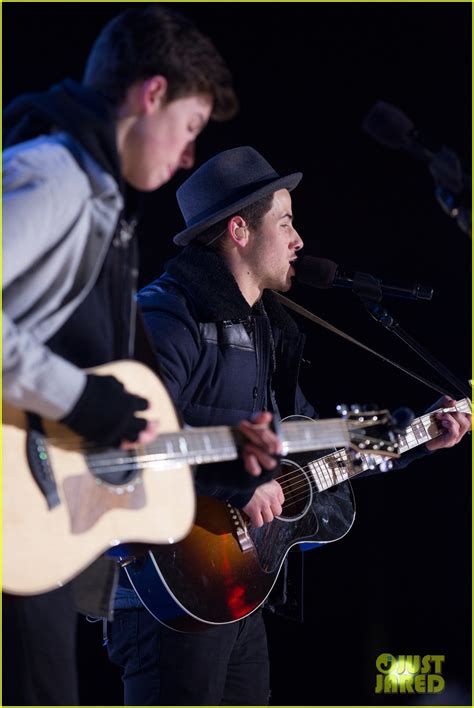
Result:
[214,291]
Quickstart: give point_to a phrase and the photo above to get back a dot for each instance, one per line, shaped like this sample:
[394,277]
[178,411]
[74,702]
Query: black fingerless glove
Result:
[105,412]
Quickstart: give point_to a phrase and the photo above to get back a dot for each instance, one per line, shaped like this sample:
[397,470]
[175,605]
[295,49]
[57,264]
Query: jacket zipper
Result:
[259,391]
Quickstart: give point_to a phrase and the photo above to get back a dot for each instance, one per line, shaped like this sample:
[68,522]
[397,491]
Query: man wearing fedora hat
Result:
[227,349]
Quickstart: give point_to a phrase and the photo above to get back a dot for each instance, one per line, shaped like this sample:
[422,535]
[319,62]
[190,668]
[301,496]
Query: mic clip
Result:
[367,287]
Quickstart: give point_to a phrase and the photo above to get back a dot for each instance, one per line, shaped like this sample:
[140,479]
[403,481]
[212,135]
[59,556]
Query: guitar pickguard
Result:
[308,515]
[215,575]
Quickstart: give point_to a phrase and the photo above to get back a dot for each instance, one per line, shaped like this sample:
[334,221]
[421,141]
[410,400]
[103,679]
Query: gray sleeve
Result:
[43,195]
[34,378]
[38,207]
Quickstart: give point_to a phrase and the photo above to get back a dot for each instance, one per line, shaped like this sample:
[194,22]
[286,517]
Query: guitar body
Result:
[45,547]
[223,570]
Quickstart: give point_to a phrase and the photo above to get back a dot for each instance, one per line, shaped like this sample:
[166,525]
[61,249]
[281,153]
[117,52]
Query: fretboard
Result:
[428,427]
[218,444]
[339,467]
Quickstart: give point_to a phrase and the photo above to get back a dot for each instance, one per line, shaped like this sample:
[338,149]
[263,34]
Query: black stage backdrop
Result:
[306,74]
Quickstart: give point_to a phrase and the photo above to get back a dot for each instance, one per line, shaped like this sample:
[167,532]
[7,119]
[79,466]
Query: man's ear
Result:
[238,231]
[152,93]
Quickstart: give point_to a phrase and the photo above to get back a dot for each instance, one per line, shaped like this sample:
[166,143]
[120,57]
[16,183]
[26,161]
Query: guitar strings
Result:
[153,450]
[111,464]
[321,475]
[331,427]
[134,461]
[325,474]
[299,491]
[73,443]
[309,481]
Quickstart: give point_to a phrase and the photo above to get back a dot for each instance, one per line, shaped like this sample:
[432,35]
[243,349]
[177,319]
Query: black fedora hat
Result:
[227,182]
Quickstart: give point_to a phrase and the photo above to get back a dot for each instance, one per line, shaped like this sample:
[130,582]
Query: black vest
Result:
[100,330]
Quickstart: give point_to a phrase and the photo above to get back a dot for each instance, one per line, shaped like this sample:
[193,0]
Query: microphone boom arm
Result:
[381,315]
[322,323]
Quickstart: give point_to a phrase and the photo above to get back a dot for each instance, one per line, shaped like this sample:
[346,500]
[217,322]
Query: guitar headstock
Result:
[371,430]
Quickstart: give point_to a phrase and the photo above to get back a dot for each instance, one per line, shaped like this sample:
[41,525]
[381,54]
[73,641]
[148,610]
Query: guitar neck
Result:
[427,427]
[337,467]
[222,444]
[305,435]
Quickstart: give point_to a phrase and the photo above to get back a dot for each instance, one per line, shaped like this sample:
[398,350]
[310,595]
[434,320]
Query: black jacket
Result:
[214,349]
[223,361]
[216,353]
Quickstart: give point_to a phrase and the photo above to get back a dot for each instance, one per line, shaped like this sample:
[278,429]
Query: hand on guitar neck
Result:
[456,424]
[107,414]
[259,452]
[262,444]
[268,499]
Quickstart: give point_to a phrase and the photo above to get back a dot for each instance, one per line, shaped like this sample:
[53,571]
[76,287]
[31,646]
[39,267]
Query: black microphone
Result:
[391,127]
[323,273]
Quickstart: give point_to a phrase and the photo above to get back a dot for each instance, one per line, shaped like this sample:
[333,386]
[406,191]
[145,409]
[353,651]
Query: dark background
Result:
[306,75]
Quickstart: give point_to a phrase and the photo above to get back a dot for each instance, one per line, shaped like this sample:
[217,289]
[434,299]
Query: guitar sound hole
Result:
[113,468]
[297,489]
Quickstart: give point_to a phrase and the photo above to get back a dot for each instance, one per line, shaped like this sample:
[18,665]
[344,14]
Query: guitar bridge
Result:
[241,532]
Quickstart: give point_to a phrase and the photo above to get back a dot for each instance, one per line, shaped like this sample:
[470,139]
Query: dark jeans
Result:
[39,650]
[227,665]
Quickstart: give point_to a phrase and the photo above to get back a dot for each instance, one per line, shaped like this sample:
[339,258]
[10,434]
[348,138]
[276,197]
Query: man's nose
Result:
[297,242]
[187,156]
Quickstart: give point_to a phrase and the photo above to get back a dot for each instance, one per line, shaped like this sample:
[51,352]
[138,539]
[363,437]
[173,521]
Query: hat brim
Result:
[288,182]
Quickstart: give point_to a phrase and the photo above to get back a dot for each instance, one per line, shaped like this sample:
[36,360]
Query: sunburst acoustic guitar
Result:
[225,569]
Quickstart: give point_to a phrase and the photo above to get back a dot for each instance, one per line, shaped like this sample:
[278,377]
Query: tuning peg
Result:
[370,462]
[343,409]
[401,419]
[357,461]
[356,408]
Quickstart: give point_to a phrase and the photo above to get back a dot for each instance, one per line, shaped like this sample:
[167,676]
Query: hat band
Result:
[238,194]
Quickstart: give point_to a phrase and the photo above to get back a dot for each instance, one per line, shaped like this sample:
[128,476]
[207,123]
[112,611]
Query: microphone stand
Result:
[367,288]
